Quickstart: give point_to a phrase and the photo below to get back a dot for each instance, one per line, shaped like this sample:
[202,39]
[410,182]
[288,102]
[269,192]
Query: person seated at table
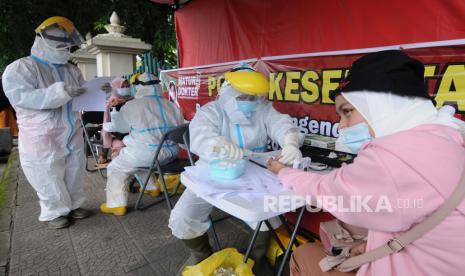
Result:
[407,151]
[241,118]
[120,94]
[146,118]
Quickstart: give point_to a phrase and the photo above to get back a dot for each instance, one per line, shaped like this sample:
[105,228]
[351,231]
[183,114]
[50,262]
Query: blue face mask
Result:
[355,136]
[247,107]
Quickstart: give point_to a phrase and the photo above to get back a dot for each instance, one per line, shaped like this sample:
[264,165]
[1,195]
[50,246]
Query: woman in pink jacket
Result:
[410,154]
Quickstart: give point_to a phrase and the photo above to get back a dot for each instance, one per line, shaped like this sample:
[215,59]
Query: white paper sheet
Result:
[261,158]
[255,182]
[94,99]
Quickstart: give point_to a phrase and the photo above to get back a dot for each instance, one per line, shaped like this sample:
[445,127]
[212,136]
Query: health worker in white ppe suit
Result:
[241,118]
[146,118]
[41,88]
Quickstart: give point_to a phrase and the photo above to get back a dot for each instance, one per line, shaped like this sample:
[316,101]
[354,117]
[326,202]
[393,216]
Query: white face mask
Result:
[51,53]
[124,91]
[56,56]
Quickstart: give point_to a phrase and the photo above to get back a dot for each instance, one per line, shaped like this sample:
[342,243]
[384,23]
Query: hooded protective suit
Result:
[51,145]
[214,124]
[146,119]
[221,121]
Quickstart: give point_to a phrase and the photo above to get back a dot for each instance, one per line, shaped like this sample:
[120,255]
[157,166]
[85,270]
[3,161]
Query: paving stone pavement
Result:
[139,243]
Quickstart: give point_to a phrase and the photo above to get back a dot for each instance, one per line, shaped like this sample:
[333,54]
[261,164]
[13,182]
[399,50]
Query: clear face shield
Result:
[247,104]
[150,87]
[145,83]
[247,98]
[57,38]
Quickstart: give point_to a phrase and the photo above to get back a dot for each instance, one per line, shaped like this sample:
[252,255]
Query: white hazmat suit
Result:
[51,145]
[146,119]
[214,124]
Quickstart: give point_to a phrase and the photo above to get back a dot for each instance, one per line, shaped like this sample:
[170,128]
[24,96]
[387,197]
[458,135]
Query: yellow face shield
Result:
[251,83]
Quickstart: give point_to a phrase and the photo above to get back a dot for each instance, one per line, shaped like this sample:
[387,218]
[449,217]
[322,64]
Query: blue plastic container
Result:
[220,171]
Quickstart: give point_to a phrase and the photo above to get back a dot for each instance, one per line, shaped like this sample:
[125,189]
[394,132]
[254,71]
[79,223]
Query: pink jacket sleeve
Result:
[364,185]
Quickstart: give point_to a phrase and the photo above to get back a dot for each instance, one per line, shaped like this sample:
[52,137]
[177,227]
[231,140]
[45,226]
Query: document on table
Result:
[255,182]
[94,99]
[261,158]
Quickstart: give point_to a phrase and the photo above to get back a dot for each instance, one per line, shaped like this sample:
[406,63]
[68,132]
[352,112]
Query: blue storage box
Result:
[226,170]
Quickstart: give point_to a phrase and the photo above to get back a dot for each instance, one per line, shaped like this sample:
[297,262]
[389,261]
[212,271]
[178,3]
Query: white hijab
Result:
[387,113]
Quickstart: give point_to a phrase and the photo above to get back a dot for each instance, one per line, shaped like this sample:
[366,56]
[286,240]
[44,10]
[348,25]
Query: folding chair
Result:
[91,126]
[179,135]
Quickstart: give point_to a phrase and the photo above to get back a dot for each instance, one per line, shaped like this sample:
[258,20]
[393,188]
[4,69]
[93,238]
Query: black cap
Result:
[390,71]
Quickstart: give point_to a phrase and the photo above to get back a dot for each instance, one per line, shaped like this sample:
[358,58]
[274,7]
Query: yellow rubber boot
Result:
[117,211]
[152,193]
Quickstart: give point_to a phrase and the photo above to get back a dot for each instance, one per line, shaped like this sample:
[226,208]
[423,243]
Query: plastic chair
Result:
[91,123]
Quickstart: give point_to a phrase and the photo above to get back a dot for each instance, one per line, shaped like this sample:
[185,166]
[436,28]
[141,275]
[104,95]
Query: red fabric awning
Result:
[170,2]
[215,31]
